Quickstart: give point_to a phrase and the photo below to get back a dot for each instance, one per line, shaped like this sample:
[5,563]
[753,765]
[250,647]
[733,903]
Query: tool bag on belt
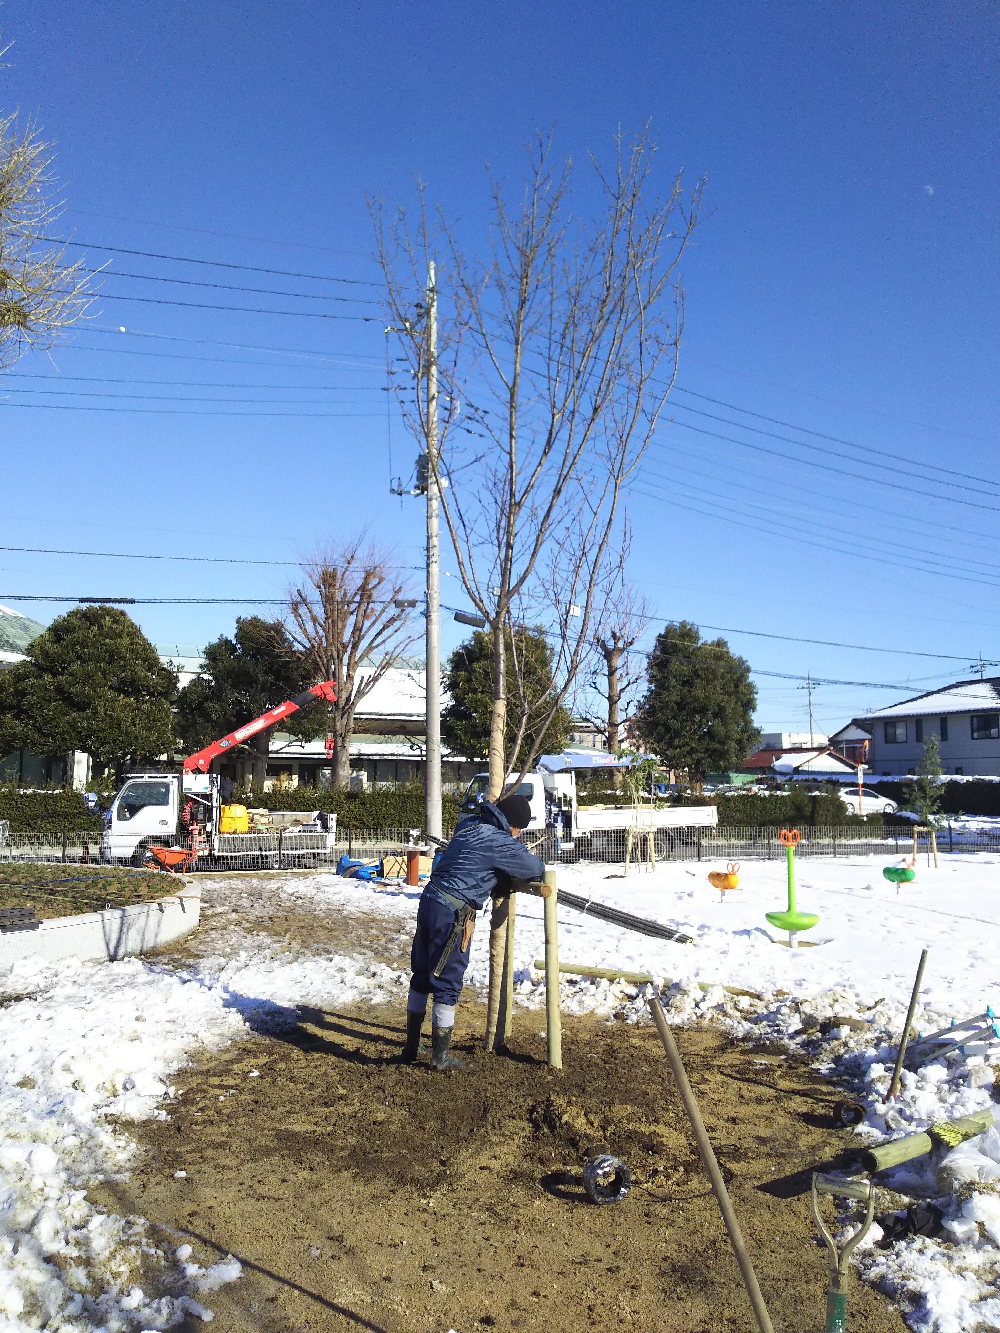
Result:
[465,924]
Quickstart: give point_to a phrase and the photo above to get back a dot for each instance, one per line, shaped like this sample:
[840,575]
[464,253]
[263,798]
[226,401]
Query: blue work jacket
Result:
[481,846]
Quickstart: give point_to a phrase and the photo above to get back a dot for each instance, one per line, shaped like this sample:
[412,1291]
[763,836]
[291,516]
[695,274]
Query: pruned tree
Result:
[41,295]
[351,618]
[555,354]
[626,618]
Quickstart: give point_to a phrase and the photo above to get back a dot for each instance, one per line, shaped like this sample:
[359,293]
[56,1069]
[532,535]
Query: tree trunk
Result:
[260,748]
[498,721]
[613,660]
[343,730]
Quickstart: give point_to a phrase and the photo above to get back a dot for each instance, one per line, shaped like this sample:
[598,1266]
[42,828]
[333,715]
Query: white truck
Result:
[590,829]
[178,819]
[155,814]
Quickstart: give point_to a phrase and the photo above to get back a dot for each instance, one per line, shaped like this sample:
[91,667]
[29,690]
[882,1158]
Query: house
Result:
[820,764]
[853,742]
[793,740]
[964,718]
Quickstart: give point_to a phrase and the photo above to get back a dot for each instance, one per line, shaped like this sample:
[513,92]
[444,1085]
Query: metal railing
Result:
[291,849]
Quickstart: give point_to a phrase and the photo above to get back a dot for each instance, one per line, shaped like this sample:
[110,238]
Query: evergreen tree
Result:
[257,669]
[925,792]
[92,681]
[698,711]
[465,723]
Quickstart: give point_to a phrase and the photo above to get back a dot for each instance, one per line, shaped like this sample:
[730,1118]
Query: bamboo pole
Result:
[498,951]
[901,1053]
[506,1019]
[553,1012]
[915,1145]
[637,978]
[712,1167]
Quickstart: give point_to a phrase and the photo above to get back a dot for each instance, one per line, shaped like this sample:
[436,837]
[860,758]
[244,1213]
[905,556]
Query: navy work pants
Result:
[435,923]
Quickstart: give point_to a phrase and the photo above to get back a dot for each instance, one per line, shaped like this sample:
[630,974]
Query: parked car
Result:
[871,804]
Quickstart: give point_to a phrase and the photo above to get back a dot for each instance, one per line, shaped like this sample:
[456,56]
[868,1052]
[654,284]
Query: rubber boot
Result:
[409,1053]
[441,1056]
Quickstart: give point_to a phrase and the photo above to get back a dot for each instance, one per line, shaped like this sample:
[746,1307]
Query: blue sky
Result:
[844,283]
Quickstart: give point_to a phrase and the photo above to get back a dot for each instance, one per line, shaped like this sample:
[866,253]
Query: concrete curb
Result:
[101,937]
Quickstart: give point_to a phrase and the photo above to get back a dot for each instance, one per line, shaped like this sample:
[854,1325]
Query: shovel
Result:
[864,1191]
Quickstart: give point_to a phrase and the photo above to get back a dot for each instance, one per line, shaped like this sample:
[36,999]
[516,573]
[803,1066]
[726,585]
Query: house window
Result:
[943,728]
[918,730]
[895,733]
[959,772]
[985,726]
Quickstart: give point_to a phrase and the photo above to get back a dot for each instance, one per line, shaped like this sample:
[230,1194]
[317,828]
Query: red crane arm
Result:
[199,762]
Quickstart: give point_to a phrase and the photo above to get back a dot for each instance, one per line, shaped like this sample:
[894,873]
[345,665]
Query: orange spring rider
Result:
[727,879]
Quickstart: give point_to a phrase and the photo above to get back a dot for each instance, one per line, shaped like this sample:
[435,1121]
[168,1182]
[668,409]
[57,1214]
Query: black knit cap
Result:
[516,810]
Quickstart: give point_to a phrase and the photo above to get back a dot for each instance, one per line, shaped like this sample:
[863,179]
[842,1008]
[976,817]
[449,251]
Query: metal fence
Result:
[293,850]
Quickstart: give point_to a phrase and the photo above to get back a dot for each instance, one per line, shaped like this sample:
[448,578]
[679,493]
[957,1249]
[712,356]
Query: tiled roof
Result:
[16,631]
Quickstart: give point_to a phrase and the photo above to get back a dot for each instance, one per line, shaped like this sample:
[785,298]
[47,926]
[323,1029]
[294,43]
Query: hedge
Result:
[55,811]
[796,807]
[382,808]
[957,798]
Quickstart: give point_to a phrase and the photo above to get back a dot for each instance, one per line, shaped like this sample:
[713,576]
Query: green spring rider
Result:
[792,920]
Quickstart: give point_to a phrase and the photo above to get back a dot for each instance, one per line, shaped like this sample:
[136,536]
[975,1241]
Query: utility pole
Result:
[432,779]
[809,687]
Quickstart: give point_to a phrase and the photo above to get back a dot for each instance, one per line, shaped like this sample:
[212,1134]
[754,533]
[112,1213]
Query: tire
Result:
[606,1179]
[139,855]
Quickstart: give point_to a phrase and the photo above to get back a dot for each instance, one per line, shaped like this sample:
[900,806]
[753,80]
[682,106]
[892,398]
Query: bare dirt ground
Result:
[362,1194]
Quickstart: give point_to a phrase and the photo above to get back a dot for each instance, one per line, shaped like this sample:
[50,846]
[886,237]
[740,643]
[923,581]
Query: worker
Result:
[483,850]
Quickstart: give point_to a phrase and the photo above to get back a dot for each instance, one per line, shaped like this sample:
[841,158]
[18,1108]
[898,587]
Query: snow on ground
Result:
[82,1045]
[84,1049]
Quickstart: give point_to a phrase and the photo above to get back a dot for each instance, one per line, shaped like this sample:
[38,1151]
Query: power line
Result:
[838,550]
[184,384]
[165,398]
[833,453]
[932,562]
[210,342]
[239,309]
[119,555]
[841,472]
[836,439]
[829,643]
[228,287]
[182,411]
[348,360]
[212,263]
[203,231]
[149,601]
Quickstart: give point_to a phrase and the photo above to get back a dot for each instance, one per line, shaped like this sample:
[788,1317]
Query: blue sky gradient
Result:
[844,282]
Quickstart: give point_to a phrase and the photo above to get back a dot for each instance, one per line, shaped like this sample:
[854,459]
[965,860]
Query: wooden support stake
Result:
[506,1019]
[915,1145]
[498,950]
[553,1012]
[901,1053]
[934,847]
[712,1167]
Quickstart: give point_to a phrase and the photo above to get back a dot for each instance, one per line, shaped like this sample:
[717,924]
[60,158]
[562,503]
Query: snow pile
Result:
[82,1045]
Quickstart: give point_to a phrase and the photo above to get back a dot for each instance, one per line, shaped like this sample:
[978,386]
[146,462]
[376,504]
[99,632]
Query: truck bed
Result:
[593,818]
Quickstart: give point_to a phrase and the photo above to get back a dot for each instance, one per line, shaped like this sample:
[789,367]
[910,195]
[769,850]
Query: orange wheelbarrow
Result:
[174,859]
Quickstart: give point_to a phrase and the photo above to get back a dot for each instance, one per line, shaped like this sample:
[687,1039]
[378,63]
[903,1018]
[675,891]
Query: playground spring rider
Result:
[791,920]
[724,880]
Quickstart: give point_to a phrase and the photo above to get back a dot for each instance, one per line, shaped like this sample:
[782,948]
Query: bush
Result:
[46,811]
[788,810]
[356,810]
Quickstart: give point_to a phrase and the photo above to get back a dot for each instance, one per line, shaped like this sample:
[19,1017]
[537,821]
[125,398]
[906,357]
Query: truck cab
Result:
[552,797]
[145,807]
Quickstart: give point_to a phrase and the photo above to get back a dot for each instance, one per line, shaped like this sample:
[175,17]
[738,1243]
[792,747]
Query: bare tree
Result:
[556,354]
[626,619]
[41,296]
[351,619]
